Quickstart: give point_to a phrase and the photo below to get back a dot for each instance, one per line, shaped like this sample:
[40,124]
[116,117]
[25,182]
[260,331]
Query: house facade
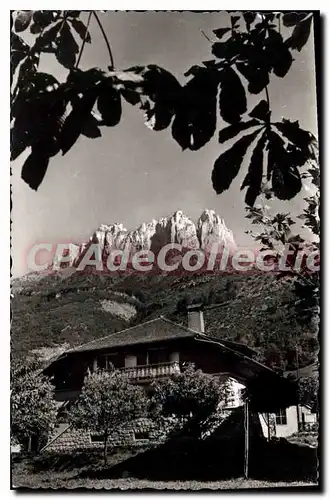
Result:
[158,349]
[287,421]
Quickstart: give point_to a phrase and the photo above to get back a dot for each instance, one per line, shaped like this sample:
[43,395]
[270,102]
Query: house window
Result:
[281,417]
[157,356]
[97,438]
[141,435]
[141,359]
[105,361]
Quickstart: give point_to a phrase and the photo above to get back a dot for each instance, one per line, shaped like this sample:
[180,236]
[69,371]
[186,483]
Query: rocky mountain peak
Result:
[182,230]
[153,235]
[211,228]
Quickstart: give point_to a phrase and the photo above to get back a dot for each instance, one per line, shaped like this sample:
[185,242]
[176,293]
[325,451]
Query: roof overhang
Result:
[267,390]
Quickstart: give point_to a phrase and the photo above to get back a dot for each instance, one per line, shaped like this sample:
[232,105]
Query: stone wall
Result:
[140,432]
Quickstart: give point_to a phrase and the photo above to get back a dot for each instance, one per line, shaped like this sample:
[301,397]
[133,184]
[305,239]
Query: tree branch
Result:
[267,96]
[207,38]
[84,40]
[105,39]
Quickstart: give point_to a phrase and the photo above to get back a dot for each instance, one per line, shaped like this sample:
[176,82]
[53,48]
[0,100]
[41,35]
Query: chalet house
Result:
[159,348]
[288,421]
[298,417]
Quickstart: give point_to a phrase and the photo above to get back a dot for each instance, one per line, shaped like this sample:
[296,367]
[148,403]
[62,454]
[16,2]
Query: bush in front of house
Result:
[308,391]
[191,395]
[106,404]
[33,407]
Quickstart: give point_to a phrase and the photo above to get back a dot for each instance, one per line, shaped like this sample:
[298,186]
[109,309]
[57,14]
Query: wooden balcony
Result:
[152,371]
[135,373]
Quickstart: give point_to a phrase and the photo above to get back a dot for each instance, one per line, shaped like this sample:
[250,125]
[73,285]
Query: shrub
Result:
[107,402]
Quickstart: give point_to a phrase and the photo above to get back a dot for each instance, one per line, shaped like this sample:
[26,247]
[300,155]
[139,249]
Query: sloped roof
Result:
[150,331]
[311,370]
[236,346]
[247,368]
[163,329]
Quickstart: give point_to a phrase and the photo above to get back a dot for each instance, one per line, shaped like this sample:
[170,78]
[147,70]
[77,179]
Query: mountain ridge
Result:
[209,228]
[52,310]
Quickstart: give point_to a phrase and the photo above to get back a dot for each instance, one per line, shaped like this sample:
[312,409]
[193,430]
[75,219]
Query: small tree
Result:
[33,408]
[277,233]
[191,395]
[107,402]
[308,388]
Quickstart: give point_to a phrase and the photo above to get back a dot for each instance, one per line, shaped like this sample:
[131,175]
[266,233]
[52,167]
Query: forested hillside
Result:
[254,309]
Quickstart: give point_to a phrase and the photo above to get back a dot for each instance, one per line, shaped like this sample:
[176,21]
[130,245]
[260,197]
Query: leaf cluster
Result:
[107,402]
[49,116]
[33,407]
[308,389]
[188,393]
[276,231]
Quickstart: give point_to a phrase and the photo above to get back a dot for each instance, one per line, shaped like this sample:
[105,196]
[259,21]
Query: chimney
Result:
[196,317]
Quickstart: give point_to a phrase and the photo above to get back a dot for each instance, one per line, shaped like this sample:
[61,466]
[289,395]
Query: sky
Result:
[133,174]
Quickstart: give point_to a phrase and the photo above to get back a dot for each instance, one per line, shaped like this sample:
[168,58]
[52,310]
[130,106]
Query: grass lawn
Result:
[58,480]
[31,473]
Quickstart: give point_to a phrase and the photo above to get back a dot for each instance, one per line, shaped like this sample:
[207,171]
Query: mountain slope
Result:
[70,307]
[256,310]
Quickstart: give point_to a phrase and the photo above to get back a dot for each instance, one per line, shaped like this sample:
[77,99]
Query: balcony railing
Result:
[152,371]
[308,427]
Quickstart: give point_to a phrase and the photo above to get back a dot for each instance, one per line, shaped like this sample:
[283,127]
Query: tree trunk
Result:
[246,439]
[105,450]
[268,425]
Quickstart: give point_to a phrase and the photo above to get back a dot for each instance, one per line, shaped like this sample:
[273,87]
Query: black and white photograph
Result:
[165,250]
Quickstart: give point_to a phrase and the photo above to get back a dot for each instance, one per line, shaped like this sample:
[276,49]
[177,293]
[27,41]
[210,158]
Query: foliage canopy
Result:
[33,408]
[49,116]
[107,402]
[308,391]
[191,395]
